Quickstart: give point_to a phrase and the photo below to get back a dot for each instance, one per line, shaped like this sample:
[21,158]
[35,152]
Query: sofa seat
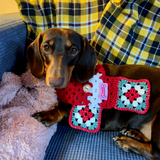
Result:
[72,144]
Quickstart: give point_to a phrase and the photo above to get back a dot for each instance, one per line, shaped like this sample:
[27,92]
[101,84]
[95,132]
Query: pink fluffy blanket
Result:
[21,136]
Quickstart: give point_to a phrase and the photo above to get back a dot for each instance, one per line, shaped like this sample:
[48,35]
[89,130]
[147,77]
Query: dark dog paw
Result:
[45,117]
[121,143]
[35,116]
[129,133]
[133,134]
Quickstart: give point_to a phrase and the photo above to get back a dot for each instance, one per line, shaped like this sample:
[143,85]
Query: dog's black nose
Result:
[57,83]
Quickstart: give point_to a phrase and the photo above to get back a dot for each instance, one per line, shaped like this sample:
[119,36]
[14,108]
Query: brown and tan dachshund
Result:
[59,54]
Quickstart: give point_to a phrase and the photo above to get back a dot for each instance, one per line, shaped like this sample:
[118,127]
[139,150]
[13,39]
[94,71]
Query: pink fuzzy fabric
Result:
[21,136]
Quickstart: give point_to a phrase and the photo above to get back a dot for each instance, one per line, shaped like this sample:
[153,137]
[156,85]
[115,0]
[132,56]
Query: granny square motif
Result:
[133,95]
[85,118]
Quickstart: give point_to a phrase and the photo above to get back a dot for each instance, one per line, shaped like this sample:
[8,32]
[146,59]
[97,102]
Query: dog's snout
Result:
[56,82]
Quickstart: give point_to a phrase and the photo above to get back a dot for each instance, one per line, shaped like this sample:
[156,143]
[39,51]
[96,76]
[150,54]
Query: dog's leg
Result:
[130,144]
[53,116]
[132,140]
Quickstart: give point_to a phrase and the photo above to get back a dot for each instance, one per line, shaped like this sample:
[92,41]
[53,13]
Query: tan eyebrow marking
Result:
[68,43]
[51,43]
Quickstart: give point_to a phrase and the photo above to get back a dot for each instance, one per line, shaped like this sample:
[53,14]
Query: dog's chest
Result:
[102,92]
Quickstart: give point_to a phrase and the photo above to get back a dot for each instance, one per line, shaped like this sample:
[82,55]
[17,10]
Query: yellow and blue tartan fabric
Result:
[79,15]
[129,33]
[121,31]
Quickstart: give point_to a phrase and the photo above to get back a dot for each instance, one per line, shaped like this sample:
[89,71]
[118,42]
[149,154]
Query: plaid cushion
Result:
[78,15]
[129,33]
[122,31]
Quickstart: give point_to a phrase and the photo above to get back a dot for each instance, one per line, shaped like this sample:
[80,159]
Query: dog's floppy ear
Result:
[34,57]
[86,64]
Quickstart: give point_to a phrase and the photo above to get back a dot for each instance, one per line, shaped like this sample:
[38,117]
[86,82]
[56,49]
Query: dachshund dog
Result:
[59,54]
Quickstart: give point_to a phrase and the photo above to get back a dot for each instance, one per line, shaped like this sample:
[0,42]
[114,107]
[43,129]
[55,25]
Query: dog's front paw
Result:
[133,134]
[130,133]
[121,143]
[45,117]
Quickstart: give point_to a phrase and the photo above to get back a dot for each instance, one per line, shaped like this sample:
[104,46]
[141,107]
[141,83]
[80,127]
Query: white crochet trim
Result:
[94,99]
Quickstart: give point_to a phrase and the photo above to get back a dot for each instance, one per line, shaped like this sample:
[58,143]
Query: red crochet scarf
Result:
[103,92]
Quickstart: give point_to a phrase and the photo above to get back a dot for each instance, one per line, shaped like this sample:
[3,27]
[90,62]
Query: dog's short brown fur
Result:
[61,53]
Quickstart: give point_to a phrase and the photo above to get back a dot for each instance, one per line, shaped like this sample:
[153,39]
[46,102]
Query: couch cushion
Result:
[72,144]
[12,43]
[129,33]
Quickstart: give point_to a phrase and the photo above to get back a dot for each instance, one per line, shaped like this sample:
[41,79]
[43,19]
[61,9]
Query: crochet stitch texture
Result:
[103,92]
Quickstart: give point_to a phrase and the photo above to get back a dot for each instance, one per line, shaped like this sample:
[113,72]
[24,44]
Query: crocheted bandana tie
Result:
[103,92]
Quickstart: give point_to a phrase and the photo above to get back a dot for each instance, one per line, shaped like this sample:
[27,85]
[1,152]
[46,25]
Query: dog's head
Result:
[60,53]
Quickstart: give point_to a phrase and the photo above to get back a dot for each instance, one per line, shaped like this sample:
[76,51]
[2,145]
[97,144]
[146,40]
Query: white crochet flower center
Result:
[94,99]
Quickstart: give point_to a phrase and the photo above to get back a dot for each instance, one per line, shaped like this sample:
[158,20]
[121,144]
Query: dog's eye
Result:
[73,50]
[46,47]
